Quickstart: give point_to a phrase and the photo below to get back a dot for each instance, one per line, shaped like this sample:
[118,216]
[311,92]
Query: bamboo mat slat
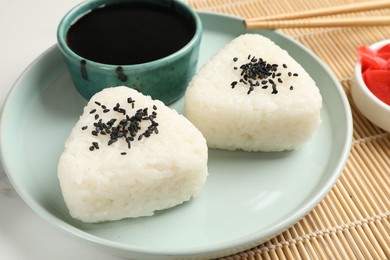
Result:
[353,220]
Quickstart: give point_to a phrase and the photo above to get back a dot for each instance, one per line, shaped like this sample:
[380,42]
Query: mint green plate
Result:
[248,197]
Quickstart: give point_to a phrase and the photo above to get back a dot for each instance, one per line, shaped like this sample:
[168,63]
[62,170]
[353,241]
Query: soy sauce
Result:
[130,33]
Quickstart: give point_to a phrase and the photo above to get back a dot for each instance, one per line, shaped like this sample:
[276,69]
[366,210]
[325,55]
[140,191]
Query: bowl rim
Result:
[359,77]
[78,11]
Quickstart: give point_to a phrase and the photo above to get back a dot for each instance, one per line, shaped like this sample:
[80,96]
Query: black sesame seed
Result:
[295,74]
[95,144]
[128,144]
[289,74]
[250,90]
[123,121]
[111,141]
[291,87]
[84,127]
[235,68]
[111,122]
[127,127]
[274,90]
[257,69]
[97,103]
[92,111]
[123,153]
[130,101]
[235,59]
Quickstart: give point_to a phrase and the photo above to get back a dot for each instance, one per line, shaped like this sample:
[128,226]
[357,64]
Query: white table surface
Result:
[27,28]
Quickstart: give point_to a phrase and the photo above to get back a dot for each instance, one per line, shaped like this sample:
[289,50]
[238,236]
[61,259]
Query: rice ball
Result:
[128,156]
[253,96]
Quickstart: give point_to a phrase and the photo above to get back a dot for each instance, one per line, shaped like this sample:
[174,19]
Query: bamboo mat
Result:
[352,221]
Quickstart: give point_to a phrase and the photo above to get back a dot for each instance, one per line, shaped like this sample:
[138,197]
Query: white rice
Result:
[157,172]
[260,121]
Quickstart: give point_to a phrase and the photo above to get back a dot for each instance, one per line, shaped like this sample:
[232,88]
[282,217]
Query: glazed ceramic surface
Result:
[175,70]
[248,197]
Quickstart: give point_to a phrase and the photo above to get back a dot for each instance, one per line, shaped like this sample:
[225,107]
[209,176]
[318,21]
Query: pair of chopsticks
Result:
[296,20]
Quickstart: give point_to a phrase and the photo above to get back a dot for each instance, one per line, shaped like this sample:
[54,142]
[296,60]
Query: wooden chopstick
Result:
[348,8]
[311,23]
[295,20]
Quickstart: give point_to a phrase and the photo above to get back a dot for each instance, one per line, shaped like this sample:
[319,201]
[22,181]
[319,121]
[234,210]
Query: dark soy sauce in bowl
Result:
[129,33]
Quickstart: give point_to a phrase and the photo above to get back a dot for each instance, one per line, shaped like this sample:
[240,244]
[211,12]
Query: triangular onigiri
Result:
[128,156]
[252,95]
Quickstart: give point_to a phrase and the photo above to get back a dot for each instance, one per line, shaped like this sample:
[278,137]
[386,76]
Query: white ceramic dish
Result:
[371,107]
[248,197]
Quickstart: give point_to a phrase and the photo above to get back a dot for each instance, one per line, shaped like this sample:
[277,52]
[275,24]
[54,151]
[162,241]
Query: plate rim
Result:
[244,242]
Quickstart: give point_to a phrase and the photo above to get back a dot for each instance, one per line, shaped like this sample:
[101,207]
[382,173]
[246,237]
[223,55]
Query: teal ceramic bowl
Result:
[165,79]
